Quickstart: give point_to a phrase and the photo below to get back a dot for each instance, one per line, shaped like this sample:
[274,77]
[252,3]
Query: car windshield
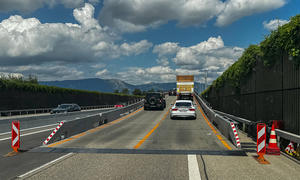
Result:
[64,106]
[157,95]
[183,104]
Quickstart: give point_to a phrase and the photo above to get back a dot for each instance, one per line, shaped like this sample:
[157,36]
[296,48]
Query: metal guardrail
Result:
[47,110]
[223,124]
[76,126]
[246,124]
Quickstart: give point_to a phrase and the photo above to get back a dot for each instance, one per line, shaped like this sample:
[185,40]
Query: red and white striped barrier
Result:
[15,135]
[54,131]
[236,136]
[261,138]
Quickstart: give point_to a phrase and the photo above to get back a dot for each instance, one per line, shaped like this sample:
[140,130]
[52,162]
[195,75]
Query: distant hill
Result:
[109,85]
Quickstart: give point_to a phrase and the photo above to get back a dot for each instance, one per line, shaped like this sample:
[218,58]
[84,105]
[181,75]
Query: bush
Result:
[284,40]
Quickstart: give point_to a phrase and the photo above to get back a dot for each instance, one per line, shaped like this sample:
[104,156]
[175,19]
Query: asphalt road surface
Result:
[34,130]
[149,145]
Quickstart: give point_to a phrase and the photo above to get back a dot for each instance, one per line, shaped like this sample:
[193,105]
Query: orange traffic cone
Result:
[272,147]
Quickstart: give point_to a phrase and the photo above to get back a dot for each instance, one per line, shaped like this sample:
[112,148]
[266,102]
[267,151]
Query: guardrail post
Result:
[244,127]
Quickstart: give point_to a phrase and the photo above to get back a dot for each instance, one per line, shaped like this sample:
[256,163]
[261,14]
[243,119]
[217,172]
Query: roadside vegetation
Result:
[12,82]
[283,41]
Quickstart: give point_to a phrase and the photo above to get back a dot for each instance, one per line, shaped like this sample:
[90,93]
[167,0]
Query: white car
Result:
[183,109]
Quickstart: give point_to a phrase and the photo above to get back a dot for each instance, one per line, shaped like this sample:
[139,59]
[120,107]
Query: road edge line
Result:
[44,166]
[213,129]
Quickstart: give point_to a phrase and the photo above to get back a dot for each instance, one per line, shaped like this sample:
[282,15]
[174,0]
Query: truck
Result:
[185,87]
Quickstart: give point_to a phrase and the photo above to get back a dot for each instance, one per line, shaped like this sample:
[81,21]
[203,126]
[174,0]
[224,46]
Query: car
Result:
[119,105]
[63,108]
[185,96]
[154,100]
[172,92]
[183,109]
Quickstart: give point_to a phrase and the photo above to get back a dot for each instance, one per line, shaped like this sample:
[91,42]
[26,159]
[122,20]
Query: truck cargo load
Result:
[185,86]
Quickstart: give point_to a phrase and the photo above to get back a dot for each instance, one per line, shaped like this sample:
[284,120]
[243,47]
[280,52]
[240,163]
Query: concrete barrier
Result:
[76,126]
[221,123]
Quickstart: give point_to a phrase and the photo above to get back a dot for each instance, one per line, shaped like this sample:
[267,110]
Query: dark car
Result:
[185,97]
[154,100]
[172,92]
[63,108]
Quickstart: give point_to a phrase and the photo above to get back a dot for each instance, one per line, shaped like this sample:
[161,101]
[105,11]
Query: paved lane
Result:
[108,150]
[149,145]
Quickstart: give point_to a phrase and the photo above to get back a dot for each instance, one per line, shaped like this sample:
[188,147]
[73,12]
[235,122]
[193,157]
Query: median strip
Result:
[95,129]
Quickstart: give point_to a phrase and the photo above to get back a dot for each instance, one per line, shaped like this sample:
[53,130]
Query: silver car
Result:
[183,109]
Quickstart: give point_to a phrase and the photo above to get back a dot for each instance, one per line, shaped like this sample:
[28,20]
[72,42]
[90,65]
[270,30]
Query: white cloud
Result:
[163,61]
[102,72]
[26,41]
[273,24]
[236,9]
[135,48]
[168,48]
[46,72]
[211,55]
[137,75]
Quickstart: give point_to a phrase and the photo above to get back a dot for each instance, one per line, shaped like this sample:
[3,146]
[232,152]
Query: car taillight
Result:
[192,109]
[175,109]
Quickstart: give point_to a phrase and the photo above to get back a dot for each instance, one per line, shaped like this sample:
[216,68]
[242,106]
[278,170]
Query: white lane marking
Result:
[45,165]
[29,133]
[30,128]
[194,173]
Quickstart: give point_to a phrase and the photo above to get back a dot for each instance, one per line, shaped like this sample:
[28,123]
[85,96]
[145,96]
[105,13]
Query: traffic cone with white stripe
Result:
[272,147]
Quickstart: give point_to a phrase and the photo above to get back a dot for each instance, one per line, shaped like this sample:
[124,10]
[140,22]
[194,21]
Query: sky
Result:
[137,41]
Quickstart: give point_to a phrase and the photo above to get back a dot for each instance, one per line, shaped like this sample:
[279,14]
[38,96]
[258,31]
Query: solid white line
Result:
[29,133]
[29,128]
[47,164]
[194,173]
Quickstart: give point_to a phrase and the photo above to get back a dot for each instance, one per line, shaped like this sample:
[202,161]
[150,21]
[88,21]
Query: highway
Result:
[37,120]
[147,145]
[34,130]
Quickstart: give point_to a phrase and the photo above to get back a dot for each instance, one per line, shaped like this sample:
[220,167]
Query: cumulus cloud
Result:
[135,48]
[30,41]
[211,55]
[236,9]
[167,48]
[138,15]
[273,24]
[163,61]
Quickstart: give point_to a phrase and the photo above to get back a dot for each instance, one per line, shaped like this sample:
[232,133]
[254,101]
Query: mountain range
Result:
[110,85]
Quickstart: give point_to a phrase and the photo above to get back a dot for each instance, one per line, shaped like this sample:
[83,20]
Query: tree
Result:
[116,91]
[125,91]
[151,90]
[137,92]
[32,79]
